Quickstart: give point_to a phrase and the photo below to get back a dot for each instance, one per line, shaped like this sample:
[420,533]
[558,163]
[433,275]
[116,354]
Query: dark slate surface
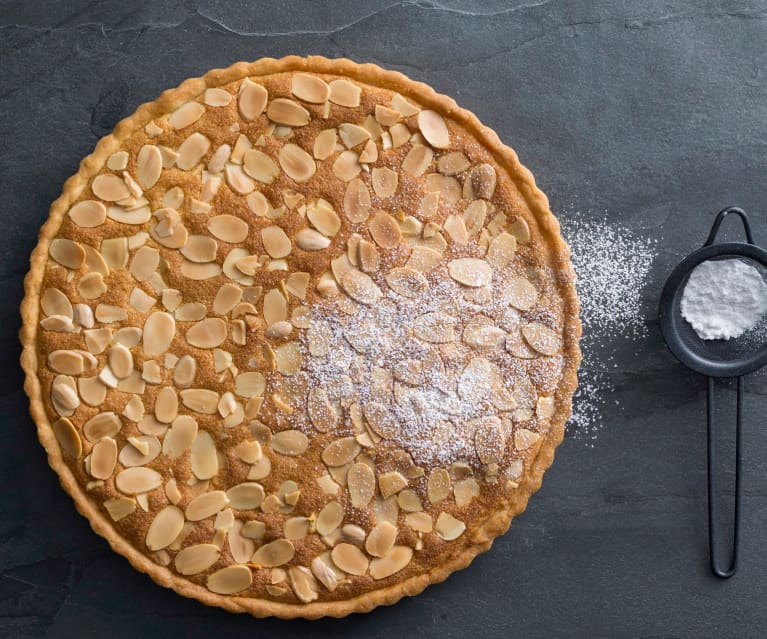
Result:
[649,114]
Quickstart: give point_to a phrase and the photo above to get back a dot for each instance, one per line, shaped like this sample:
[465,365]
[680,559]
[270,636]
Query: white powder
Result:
[612,265]
[434,416]
[724,298]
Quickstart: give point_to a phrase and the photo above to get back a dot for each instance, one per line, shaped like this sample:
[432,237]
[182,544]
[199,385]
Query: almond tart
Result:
[300,337]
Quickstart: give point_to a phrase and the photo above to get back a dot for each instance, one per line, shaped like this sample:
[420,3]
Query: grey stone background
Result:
[648,114]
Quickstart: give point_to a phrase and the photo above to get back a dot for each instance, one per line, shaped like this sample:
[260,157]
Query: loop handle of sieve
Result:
[724,573]
[718,222]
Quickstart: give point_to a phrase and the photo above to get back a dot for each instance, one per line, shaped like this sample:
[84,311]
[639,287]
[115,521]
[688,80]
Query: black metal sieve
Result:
[715,358]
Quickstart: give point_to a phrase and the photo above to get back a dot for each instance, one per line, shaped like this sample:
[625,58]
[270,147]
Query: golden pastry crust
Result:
[486,516]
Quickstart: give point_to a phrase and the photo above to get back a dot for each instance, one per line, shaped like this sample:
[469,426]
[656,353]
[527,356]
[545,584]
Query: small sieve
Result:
[715,359]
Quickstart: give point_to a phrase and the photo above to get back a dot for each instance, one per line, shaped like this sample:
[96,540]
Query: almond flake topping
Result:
[345,93]
[309,88]
[88,213]
[288,112]
[296,163]
[252,99]
[186,115]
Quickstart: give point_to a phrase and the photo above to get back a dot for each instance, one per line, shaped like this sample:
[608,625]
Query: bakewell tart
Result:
[300,337]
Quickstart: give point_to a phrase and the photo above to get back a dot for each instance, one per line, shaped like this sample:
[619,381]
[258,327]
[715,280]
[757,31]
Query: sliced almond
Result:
[204,456]
[323,217]
[228,228]
[453,163]
[391,563]
[115,252]
[276,242]
[501,250]
[185,371]
[260,166]
[520,293]
[369,260]
[296,163]
[399,135]
[455,227]
[357,203]
[439,485]
[103,458]
[120,507]
[482,179]
[384,182]
[206,505]
[309,88]
[361,287]
[208,333]
[341,451]
[290,442]
[417,160]
[250,384]
[276,553]
[54,302]
[436,327]
[109,188]
[246,496]
[350,559]
[252,99]
[325,144]
[144,263]
[67,253]
[407,282]
[288,112]
[470,271]
[148,166]
[237,180]
[352,134]
[179,437]
[465,490]
[230,580]
[362,484]
[385,230]
[193,560]
[186,115]
[88,213]
[227,297]
[346,167]
[311,240]
[191,151]
[369,153]
[520,229]
[101,425]
[68,438]
[159,330]
[134,481]
[217,97]
[345,93]
[434,129]
[448,527]
[542,338]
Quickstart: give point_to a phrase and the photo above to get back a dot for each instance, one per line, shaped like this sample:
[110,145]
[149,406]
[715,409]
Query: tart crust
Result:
[483,533]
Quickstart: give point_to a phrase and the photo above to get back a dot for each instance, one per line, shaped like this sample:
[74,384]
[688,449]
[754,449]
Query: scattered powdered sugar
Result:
[723,299]
[612,265]
[436,414]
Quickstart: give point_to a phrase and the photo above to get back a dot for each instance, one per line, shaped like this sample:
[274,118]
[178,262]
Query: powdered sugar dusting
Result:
[612,265]
[440,400]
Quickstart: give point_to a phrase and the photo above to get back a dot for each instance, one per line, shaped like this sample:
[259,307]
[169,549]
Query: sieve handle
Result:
[712,466]
[718,222]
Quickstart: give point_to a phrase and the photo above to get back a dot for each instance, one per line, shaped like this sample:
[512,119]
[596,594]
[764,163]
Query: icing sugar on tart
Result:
[300,337]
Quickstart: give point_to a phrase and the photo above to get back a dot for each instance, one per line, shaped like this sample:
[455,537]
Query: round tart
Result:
[300,337]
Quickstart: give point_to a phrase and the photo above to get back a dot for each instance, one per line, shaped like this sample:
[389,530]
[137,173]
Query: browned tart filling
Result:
[301,337]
